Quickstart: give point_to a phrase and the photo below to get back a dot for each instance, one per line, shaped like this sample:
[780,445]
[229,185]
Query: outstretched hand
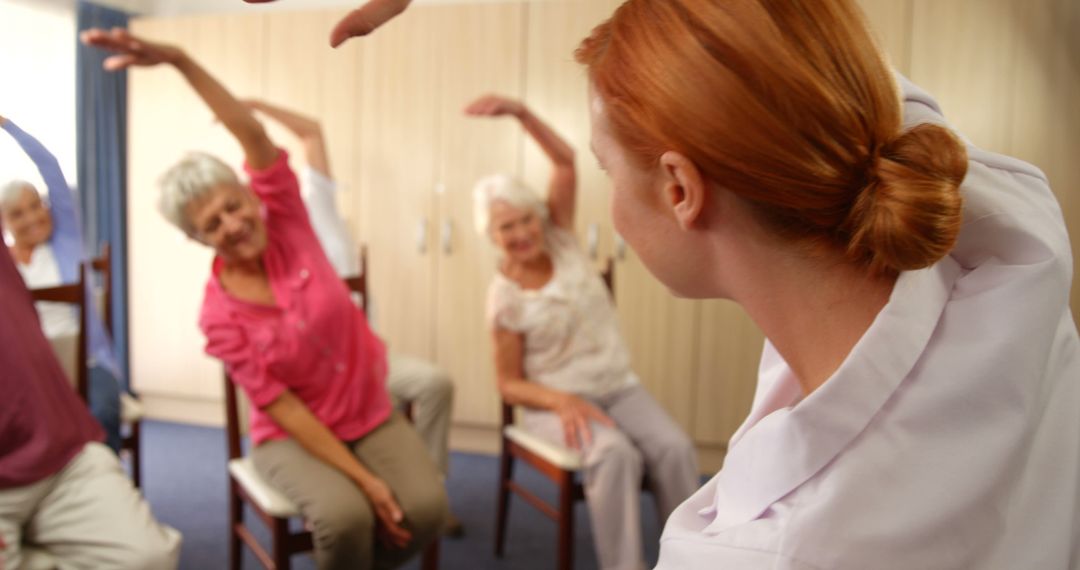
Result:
[494,106]
[129,50]
[365,19]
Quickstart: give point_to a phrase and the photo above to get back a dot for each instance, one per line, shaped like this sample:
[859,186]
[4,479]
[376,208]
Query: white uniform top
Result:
[948,438]
[57,319]
[572,339]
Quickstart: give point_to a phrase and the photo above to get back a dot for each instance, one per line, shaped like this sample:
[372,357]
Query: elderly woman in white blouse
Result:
[559,354]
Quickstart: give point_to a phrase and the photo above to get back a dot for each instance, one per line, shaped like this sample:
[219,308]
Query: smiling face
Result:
[228,218]
[28,219]
[518,232]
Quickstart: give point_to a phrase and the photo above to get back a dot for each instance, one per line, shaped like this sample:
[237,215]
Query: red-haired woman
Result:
[917,405]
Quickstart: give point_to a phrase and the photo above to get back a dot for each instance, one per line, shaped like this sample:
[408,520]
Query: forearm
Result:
[300,423]
[44,160]
[237,118]
[558,151]
[521,392]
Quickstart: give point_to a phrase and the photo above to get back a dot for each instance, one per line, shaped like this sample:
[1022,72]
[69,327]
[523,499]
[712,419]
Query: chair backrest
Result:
[72,353]
[236,405]
[608,275]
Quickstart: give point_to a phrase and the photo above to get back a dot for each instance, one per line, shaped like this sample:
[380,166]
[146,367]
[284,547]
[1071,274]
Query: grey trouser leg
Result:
[432,394]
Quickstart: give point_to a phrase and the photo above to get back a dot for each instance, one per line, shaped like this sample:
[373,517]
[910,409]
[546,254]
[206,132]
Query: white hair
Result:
[507,189]
[13,190]
[193,177]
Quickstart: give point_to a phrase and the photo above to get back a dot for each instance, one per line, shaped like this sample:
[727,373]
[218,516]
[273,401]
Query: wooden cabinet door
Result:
[556,88]
[397,169]
[168,271]
[728,353]
[891,23]
[481,49]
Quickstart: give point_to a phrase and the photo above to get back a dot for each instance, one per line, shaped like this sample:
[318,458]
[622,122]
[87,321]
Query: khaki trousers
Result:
[342,520]
[88,515]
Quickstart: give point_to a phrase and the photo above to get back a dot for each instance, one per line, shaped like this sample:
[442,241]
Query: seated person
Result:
[279,317]
[559,354]
[61,490]
[48,249]
[410,379]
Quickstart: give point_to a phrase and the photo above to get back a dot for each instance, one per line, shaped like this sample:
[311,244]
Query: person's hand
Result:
[129,50]
[575,414]
[389,529]
[3,120]
[365,19]
[494,106]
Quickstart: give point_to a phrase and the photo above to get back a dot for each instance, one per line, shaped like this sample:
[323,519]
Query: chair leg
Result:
[566,521]
[136,453]
[280,537]
[506,472]
[236,518]
[431,556]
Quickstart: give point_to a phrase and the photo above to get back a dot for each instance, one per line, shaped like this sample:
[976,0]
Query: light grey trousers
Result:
[342,520]
[431,393]
[645,440]
[88,515]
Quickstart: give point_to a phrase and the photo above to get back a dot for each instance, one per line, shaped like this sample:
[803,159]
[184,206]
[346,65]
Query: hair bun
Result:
[909,215]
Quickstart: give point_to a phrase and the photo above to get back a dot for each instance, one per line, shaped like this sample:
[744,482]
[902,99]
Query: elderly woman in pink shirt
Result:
[276,313]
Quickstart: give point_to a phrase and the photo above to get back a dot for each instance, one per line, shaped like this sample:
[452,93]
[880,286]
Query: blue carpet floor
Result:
[184,480]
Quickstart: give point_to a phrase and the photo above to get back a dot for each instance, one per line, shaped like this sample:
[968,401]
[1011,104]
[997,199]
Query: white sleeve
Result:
[321,202]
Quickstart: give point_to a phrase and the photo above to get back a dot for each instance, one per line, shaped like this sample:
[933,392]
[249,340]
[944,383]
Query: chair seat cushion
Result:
[561,456]
[267,498]
[131,410]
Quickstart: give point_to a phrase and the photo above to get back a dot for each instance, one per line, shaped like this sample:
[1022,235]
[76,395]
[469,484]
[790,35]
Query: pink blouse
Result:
[314,342]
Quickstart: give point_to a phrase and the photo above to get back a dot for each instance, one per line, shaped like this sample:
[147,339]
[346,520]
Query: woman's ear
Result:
[684,189]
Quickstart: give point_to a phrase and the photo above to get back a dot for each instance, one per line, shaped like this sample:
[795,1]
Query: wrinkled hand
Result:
[389,529]
[365,19]
[494,106]
[575,414]
[130,50]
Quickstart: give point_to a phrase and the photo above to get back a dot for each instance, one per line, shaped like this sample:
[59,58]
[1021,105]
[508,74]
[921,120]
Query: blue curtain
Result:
[101,117]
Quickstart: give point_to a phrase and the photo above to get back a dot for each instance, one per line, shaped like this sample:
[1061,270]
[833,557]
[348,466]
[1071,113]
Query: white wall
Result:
[37,70]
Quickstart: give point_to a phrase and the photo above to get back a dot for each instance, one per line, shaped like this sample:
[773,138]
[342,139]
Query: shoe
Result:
[453,528]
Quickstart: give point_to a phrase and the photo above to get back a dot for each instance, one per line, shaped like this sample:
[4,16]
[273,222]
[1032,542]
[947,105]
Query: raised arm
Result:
[562,185]
[320,189]
[61,202]
[129,50]
[365,19]
[305,128]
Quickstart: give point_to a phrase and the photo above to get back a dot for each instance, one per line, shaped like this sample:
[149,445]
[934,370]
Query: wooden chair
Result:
[275,510]
[71,351]
[131,410]
[557,463]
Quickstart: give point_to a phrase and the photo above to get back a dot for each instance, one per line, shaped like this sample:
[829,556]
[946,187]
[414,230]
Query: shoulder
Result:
[504,301]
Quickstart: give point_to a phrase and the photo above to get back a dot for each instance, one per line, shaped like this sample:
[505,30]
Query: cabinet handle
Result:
[447,237]
[620,248]
[592,238]
[421,236]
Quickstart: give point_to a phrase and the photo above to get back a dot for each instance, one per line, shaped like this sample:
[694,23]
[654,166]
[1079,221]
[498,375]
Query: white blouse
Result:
[948,438]
[572,338]
[57,319]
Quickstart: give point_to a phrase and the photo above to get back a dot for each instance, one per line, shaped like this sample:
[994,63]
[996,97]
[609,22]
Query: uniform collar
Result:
[785,441]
